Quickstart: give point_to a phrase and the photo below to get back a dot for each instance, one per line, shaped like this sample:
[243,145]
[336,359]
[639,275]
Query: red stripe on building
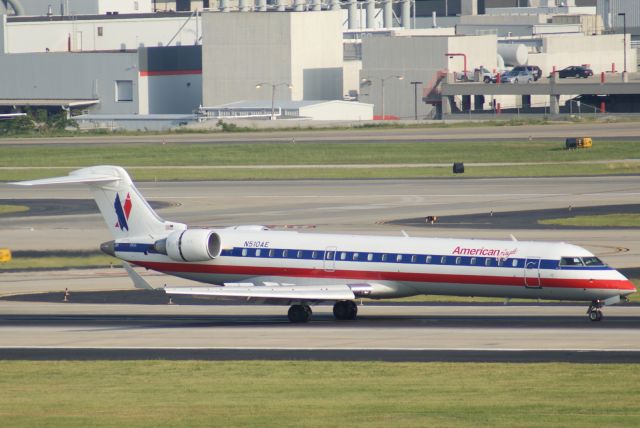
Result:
[147,73]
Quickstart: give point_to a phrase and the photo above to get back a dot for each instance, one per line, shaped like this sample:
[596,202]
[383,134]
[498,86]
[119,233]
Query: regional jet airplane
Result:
[303,269]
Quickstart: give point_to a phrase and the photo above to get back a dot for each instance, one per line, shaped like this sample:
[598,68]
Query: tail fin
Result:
[124,209]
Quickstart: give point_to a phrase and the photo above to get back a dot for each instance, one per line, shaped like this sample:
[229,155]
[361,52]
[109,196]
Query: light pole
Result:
[624,31]
[273,93]
[415,101]
[382,80]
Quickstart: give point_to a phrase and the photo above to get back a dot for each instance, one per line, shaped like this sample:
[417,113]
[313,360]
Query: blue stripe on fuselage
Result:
[410,259]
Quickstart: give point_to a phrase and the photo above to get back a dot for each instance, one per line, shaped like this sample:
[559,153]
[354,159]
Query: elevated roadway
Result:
[553,87]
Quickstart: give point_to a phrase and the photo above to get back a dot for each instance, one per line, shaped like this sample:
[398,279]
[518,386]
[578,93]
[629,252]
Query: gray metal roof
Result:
[47,102]
[284,104]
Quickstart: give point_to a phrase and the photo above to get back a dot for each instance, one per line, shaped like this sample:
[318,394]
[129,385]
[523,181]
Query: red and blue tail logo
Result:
[122,211]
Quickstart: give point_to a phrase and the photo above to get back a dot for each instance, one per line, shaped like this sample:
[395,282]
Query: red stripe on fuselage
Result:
[518,281]
[147,73]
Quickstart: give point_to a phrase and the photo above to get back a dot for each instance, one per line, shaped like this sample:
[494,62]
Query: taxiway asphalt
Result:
[621,130]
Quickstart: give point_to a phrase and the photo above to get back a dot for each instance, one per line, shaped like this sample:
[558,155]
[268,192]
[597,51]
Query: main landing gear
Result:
[594,311]
[299,313]
[343,310]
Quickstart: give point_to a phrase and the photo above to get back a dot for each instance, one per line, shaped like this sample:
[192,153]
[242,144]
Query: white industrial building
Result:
[76,7]
[145,81]
[97,32]
[298,49]
[310,109]
[124,57]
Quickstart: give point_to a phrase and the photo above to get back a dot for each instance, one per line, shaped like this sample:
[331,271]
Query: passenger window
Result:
[472,261]
[314,255]
[385,257]
[299,255]
[514,263]
[272,253]
[369,257]
[258,252]
[284,253]
[458,260]
[500,262]
[343,256]
[329,255]
[428,259]
[244,252]
[356,256]
[443,260]
[414,258]
[399,258]
[487,262]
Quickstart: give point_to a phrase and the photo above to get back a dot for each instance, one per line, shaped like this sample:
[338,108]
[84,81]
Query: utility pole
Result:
[415,102]
[624,30]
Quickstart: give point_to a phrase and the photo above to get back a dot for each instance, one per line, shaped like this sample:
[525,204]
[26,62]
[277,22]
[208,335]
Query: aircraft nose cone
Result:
[109,248]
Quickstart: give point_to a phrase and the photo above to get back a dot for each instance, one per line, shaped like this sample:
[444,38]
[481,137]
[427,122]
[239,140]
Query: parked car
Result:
[513,76]
[533,69]
[575,71]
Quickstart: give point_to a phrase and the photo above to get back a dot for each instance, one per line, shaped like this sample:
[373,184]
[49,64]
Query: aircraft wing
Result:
[278,292]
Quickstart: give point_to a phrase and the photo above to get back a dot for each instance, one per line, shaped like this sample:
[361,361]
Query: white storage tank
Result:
[514,54]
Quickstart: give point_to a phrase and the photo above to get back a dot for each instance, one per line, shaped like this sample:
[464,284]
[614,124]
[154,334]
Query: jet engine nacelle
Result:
[190,245]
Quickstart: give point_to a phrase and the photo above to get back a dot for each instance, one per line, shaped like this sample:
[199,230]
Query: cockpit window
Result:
[571,261]
[592,261]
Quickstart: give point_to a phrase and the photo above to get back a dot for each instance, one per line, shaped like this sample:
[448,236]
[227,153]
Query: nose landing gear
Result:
[594,312]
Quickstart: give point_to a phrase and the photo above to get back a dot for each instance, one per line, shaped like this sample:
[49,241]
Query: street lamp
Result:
[624,30]
[273,93]
[415,101]
[382,80]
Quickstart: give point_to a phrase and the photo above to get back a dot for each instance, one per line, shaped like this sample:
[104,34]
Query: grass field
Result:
[607,220]
[314,394]
[186,161]
[10,209]
[57,262]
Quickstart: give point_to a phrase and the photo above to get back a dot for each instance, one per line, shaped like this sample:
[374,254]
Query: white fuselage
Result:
[393,266]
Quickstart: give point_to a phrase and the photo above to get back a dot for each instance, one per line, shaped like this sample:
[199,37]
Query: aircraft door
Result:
[330,259]
[532,273]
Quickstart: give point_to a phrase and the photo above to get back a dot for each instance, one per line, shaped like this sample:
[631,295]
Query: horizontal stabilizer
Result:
[70,179]
[124,209]
[283,292]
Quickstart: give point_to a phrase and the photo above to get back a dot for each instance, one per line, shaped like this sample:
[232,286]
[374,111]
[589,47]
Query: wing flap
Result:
[283,292]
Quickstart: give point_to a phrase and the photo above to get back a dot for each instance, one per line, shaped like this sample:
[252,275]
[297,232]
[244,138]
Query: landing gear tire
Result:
[594,312]
[345,310]
[299,313]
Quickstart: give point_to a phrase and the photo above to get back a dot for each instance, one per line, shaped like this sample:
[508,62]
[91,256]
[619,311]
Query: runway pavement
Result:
[383,332]
[61,330]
